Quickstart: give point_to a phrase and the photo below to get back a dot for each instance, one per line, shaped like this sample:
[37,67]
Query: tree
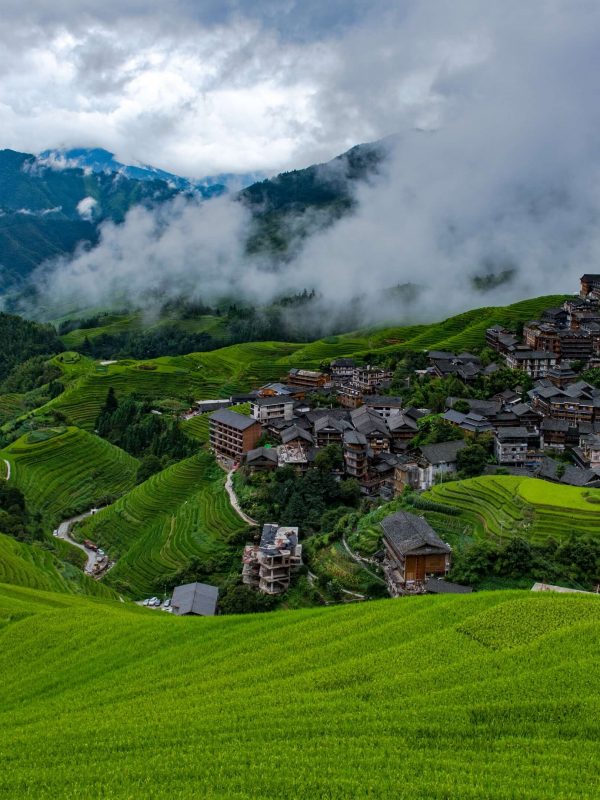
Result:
[111,403]
[471,460]
[149,466]
[239,599]
[330,458]
[349,491]
[462,406]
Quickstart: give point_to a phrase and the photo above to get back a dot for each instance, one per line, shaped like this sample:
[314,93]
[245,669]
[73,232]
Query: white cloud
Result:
[85,208]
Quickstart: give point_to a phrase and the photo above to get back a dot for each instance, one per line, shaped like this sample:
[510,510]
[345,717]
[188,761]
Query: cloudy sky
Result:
[201,86]
[495,106]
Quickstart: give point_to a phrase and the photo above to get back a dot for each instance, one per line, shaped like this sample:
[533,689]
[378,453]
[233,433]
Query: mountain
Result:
[53,203]
[45,212]
[292,205]
[97,160]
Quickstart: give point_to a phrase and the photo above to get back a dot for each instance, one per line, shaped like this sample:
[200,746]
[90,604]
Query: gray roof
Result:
[270,453]
[402,420]
[442,453]
[518,432]
[368,421]
[277,400]
[382,400]
[441,586]
[296,432]
[407,533]
[233,419]
[355,437]
[195,598]
[549,424]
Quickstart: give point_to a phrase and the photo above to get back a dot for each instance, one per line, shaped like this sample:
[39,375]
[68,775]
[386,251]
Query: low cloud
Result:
[85,208]
[493,183]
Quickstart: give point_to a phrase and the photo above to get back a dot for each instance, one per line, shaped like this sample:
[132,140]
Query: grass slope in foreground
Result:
[63,471]
[502,506]
[156,529]
[240,367]
[490,696]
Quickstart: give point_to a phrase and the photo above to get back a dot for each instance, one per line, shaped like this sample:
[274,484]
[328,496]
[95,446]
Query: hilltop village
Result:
[523,408]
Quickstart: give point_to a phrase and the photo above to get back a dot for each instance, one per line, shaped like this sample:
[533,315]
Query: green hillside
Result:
[238,368]
[502,506]
[63,471]
[35,567]
[491,696]
[157,528]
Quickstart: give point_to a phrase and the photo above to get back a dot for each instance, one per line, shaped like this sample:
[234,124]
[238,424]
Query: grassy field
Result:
[219,373]
[155,529]
[504,506]
[491,696]
[63,471]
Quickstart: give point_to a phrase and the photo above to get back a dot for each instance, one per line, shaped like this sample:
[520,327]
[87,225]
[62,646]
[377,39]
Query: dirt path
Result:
[235,502]
[360,561]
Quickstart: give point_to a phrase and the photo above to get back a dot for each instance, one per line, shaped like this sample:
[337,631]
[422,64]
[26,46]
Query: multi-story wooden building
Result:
[356,454]
[590,286]
[413,552]
[233,434]
[308,379]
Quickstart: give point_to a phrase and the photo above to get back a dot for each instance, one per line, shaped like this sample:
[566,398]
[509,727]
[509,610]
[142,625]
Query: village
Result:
[550,431]
[547,426]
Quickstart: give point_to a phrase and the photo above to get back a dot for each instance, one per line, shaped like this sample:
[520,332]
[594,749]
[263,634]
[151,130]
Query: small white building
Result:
[264,409]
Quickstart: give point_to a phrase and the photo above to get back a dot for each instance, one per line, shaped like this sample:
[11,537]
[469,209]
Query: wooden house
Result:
[413,551]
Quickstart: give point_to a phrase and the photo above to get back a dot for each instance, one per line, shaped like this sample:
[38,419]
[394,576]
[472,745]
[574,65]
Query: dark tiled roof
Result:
[557,425]
[512,433]
[440,586]
[277,400]
[355,437]
[401,420]
[407,532]
[295,432]
[270,453]
[444,452]
[233,419]
[195,598]
[383,400]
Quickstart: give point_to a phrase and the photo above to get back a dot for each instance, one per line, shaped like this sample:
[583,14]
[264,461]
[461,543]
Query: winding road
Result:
[62,532]
[235,503]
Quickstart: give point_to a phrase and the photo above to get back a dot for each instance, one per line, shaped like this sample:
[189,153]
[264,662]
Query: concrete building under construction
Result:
[267,565]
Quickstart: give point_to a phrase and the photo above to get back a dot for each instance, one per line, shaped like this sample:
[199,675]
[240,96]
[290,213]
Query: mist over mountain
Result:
[96,159]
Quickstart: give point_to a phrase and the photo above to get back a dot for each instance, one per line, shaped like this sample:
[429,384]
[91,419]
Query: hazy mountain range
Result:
[54,204]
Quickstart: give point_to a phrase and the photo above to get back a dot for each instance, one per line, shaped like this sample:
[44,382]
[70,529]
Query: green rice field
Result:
[64,471]
[490,696]
[155,529]
[502,506]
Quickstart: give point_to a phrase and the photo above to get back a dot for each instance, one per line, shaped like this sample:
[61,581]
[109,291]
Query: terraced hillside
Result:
[156,529]
[35,567]
[63,471]
[502,506]
[237,368]
[112,324]
[490,696]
